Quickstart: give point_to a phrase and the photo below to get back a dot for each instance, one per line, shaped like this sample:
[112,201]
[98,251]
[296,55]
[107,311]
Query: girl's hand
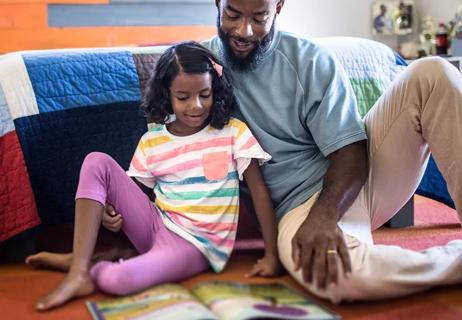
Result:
[112,220]
[268,266]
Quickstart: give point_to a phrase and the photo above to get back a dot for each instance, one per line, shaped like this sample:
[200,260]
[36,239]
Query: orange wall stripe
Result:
[55,38]
[22,16]
[54,1]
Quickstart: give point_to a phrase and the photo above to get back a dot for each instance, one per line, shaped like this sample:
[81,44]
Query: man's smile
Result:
[241,48]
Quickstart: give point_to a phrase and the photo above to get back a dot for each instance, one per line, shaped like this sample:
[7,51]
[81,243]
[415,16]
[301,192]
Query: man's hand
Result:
[318,244]
[112,220]
[268,266]
[316,248]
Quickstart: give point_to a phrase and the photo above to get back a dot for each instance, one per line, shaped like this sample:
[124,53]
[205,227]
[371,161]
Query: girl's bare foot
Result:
[49,260]
[73,286]
[62,261]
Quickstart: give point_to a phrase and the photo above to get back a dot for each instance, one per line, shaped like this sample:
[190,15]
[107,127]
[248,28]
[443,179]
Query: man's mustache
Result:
[244,40]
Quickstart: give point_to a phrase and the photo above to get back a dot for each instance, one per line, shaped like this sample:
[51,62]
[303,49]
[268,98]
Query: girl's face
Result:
[191,97]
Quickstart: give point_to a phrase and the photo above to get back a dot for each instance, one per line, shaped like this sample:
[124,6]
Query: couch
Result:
[56,106]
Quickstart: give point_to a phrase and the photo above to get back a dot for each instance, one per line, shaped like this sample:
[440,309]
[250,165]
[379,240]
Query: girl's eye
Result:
[205,96]
[182,98]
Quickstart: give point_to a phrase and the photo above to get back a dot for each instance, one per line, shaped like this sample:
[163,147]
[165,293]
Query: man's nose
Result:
[244,29]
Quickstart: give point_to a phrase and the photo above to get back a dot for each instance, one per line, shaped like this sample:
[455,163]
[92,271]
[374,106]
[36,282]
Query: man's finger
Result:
[319,267]
[296,256]
[307,260]
[332,257]
[344,256]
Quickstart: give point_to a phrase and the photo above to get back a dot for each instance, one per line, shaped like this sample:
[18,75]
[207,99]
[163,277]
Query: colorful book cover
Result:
[219,300]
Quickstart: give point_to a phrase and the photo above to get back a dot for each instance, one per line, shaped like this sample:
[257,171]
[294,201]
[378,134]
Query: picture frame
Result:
[392,17]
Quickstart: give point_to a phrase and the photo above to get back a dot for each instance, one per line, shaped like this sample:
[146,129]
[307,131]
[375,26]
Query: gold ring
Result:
[331,251]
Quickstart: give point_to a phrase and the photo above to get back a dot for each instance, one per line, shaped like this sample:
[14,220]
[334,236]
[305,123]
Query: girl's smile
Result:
[191,97]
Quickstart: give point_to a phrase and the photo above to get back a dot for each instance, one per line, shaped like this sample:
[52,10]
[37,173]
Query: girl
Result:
[192,165]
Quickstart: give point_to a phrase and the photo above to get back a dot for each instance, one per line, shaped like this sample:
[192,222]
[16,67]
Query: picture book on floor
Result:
[211,300]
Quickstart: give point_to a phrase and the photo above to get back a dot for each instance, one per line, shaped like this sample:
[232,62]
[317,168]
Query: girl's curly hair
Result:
[191,58]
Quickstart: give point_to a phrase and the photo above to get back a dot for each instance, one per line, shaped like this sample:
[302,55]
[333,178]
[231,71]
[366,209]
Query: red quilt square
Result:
[18,211]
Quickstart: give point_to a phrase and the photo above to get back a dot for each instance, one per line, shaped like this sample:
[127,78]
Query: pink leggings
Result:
[163,255]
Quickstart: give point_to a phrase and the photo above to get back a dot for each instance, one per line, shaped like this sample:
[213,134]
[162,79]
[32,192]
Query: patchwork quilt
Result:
[56,106]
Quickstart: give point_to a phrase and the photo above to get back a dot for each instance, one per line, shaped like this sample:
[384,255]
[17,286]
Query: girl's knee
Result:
[97,161]
[109,277]
[97,158]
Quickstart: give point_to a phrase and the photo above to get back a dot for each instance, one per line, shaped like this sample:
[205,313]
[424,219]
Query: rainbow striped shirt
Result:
[196,182]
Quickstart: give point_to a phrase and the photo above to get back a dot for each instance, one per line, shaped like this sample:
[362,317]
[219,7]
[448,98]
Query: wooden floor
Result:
[21,285]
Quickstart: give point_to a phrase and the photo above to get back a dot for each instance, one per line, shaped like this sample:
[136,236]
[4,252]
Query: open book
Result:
[211,300]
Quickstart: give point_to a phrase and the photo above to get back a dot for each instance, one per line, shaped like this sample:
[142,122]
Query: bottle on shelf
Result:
[441,40]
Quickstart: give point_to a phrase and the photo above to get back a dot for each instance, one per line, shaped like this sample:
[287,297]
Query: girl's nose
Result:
[197,104]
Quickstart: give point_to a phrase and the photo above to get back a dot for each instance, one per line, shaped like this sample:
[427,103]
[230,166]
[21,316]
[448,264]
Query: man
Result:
[382,23]
[330,186]
[299,104]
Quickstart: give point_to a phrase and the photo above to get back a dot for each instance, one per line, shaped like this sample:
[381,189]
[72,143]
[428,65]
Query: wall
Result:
[317,18]
[48,24]
[442,10]
[38,24]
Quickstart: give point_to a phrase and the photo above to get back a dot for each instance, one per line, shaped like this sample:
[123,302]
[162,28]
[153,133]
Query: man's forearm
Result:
[347,172]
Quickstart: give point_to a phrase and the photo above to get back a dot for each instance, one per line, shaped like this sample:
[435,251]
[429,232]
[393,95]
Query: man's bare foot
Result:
[49,260]
[73,286]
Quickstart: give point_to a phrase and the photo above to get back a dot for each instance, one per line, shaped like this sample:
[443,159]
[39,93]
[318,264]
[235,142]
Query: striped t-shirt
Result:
[196,182]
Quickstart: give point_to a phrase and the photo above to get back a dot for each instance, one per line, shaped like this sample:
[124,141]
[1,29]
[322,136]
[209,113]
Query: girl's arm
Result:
[113,220]
[269,265]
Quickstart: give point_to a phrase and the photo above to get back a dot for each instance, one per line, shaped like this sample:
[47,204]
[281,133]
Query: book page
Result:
[238,301]
[164,302]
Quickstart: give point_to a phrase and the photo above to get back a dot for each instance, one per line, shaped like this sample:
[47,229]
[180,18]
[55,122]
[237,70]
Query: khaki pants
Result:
[421,110]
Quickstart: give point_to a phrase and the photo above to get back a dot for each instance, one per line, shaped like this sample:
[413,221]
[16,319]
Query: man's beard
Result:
[253,59]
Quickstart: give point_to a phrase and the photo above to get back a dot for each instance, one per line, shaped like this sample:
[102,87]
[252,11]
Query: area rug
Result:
[434,224]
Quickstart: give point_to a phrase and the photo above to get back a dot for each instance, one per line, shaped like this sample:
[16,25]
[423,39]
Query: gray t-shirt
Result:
[300,106]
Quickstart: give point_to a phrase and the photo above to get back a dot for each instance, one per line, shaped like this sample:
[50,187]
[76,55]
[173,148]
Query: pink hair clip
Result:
[218,68]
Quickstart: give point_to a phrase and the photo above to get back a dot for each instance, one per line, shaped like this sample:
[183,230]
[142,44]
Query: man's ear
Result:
[279,6]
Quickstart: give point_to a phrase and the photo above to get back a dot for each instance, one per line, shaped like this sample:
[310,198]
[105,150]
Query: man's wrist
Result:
[324,214]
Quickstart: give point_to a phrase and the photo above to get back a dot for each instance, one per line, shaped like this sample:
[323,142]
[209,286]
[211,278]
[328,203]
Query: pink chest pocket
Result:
[215,165]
